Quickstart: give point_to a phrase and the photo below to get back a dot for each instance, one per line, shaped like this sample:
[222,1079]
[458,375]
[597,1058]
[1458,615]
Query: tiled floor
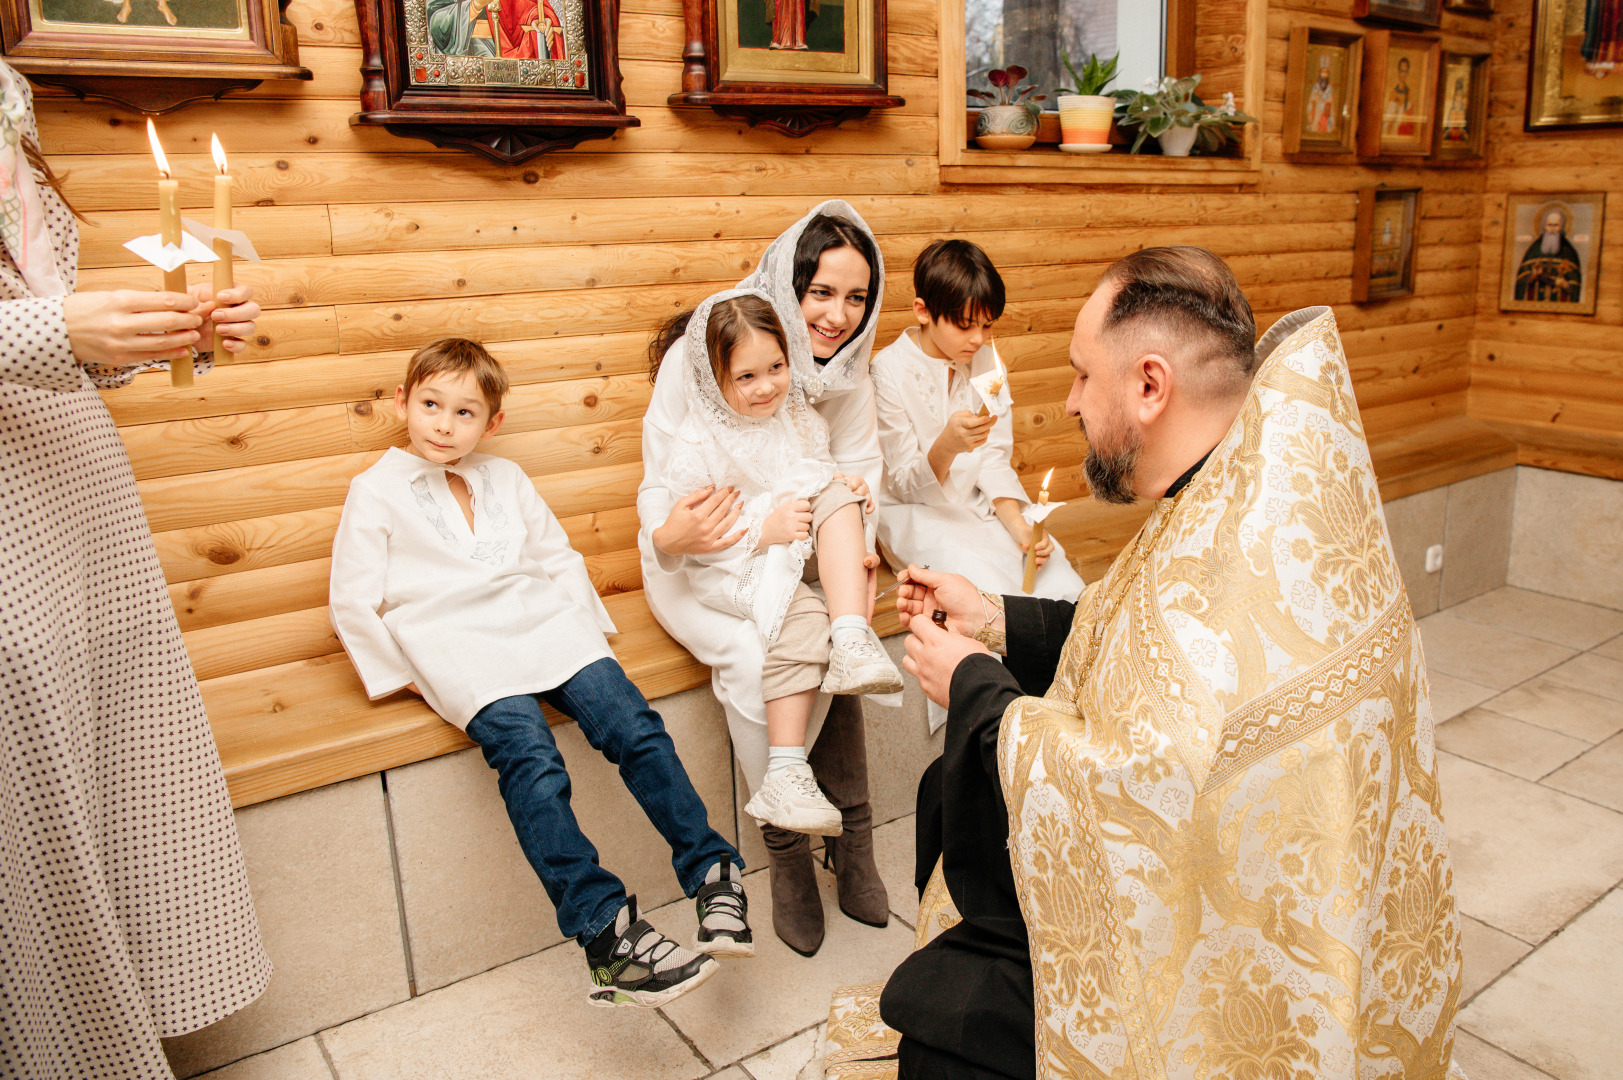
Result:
[1528,693]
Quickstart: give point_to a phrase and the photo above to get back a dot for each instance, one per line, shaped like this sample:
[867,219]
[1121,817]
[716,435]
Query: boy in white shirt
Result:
[954,501]
[451,578]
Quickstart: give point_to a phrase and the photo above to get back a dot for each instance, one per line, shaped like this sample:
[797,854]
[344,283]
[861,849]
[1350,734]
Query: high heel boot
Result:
[839,760]
[797,906]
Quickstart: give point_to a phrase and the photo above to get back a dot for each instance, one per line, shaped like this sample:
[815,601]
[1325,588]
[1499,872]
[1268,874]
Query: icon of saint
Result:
[1551,270]
[1400,118]
[1321,101]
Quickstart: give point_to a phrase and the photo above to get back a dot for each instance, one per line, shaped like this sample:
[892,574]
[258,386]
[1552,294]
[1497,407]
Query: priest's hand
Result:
[923,591]
[933,654]
[230,315]
[699,522]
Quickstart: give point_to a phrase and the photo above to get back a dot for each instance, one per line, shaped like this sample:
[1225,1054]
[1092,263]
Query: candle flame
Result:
[1047,478]
[219,153]
[157,149]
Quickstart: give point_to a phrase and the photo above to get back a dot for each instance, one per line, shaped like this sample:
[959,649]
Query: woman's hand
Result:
[698,524]
[923,591]
[128,327]
[1021,530]
[230,315]
[859,488]
[790,521]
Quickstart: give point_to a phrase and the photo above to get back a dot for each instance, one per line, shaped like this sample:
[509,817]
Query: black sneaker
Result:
[638,966]
[724,928]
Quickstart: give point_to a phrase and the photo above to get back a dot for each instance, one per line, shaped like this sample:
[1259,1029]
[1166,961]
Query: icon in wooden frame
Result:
[1552,252]
[1408,12]
[1462,106]
[1398,109]
[1484,8]
[1575,67]
[1384,243]
[1322,90]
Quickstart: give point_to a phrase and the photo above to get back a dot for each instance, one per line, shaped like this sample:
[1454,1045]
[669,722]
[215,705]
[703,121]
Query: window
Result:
[1033,33]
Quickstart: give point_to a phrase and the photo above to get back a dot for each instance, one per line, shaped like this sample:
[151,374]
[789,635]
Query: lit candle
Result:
[1037,534]
[180,371]
[222,219]
[995,387]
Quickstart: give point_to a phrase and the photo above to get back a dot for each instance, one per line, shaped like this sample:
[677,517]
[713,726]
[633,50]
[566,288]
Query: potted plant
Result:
[1010,123]
[1085,110]
[1172,113]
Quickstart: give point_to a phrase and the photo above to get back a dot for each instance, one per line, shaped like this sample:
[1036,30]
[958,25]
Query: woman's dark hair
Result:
[36,161]
[822,233]
[825,233]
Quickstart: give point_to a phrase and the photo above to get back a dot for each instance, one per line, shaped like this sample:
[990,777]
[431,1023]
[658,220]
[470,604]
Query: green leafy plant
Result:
[1171,103]
[1094,77]
[1009,90]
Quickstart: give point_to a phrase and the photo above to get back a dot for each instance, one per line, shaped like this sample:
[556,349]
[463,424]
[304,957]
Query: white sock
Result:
[848,628]
[779,758]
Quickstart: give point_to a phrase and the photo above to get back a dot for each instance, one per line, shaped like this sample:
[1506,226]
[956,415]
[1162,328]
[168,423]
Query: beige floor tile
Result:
[1519,748]
[1596,776]
[799,1058]
[1484,1061]
[1485,655]
[1451,696]
[300,1060]
[1548,618]
[526,1019]
[893,852]
[1592,674]
[1612,649]
[754,1004]
[1558,1010]
[1526,859]
[1488,953]
[732,1072]
[1562,708]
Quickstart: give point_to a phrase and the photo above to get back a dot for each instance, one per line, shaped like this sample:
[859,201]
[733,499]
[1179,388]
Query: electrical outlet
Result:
[1434,558]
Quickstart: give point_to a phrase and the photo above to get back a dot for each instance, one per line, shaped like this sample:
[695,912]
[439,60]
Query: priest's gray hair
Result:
[1184,303]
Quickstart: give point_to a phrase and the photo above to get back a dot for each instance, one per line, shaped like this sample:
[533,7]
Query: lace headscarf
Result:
[22,211]
[775,276]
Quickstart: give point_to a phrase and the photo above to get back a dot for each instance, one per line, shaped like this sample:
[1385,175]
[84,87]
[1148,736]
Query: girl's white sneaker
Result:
[791,800]
[861,666]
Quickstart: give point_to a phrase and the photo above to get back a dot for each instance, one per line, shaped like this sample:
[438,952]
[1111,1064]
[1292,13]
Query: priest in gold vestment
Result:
[1222,824]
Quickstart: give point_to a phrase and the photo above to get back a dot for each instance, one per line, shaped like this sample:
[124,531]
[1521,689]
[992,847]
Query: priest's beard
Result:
[1110,470]
[1550,244]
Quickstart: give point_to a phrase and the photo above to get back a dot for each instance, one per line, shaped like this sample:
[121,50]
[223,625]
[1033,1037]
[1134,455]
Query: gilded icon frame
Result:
[1524,214]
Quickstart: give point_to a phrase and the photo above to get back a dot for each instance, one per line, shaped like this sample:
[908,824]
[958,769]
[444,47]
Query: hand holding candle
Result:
[994,387]
[1037,533]
[180,371]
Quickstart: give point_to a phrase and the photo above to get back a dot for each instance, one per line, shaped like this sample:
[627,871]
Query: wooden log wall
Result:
[1553,382]
[375,244]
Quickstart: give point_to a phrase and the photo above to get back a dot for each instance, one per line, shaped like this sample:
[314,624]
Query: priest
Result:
[1190,823]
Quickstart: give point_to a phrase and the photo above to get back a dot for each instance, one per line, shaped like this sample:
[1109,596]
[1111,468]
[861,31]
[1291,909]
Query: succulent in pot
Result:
[1085,110]
[1009,122]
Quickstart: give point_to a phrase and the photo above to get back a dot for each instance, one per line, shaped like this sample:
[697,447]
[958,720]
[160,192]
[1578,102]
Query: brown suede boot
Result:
[839,760]
[797,906]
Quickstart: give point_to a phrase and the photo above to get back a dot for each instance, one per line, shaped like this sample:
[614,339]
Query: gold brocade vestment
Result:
[1224,819]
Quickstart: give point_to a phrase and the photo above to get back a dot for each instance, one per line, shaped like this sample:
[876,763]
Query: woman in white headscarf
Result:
[826,266]
[125,915]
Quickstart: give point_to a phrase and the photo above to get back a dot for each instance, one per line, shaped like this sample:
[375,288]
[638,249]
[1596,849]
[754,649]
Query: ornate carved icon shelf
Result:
[545,75]
[145,65]
[790,88]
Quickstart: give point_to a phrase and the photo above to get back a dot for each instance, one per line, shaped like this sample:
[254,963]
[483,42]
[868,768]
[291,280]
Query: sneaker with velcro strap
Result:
[724,928]
[634,965]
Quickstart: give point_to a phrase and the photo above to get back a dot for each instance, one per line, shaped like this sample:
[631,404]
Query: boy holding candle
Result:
[954,501]
[452,579]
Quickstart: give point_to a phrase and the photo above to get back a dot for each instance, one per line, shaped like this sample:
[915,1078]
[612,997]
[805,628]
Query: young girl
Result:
[750,427]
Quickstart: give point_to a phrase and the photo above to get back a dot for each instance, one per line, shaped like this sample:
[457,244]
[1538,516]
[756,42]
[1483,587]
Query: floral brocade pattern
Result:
[1224,818]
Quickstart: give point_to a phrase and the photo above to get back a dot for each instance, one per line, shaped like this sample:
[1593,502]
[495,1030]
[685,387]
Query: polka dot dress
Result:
[125,914]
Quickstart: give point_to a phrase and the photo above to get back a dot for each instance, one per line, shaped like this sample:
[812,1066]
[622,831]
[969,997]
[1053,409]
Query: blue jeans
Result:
[617,720]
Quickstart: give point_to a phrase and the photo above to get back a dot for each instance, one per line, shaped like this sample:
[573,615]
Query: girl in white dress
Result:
[749,427]
[953,500]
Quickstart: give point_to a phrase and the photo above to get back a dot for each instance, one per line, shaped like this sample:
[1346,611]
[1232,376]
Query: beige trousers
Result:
[798,658]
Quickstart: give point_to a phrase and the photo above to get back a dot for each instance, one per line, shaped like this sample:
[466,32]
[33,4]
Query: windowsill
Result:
[1039,165]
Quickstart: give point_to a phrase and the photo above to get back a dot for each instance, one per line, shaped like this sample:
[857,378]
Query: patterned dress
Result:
[125,914]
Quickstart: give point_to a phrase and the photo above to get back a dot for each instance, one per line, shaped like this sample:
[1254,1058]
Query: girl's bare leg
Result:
[788,717]
[840,550]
